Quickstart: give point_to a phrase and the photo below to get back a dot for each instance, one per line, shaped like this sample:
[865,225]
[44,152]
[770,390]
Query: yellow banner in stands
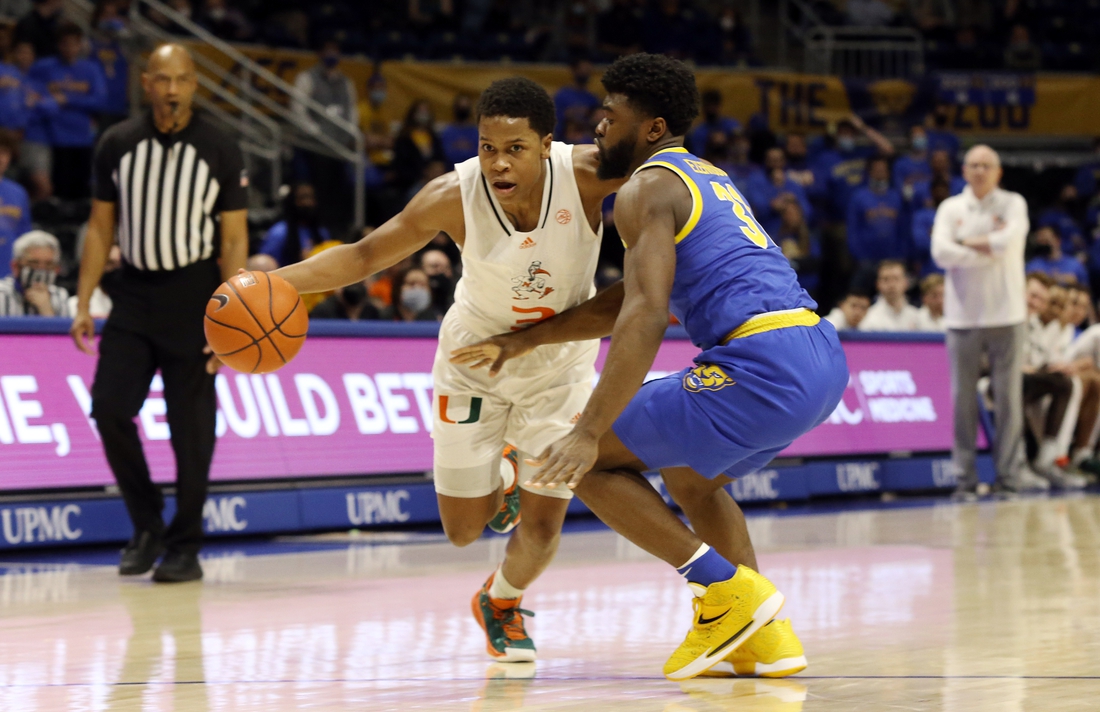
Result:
[1062,105]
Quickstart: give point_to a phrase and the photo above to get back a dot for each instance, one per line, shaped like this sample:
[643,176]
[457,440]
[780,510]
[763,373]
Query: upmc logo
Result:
[377,507]
[222,514]
[24,525]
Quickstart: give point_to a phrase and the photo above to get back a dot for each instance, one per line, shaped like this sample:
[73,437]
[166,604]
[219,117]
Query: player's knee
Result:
[687,487]
[462,533]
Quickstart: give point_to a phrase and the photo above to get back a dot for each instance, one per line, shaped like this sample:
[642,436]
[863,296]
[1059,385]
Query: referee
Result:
[171,186]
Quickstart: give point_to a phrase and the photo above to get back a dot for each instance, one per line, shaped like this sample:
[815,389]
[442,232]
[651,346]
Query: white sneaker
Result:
[1028,481]
[1060,479]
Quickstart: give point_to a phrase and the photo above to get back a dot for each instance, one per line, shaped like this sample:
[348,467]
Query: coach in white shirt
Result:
[891,311]
[978,237]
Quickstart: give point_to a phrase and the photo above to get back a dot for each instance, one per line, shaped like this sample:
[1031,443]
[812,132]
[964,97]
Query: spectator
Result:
[437,265]
[35,154]
[1050,260]
[224,22]
[1078,312]
[850,312]
[979,239]
[921,232]
[1022,55]
[891,311]
[261,262]
[799,245]
[183,7]
[460,138]
[771,189]
[713,121]
[874,220]
[299,231]
[99,306]
[913,167]
[732,156]
[1060,216]
[847,163]
[736,44]
[802,171]
[1088,174]
[78,87]
[670,27]
[334,91]
[574,102]
[15,206]
[939,136]
[416,146]
[931,297]
[40,27]
[13,96]
[413,299]
[619,29]
[376,134]
[941,166]
[1044,376]
[108,28]
[349,303]
[30,290]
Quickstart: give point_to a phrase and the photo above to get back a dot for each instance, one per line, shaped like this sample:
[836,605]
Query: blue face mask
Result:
[920,144]
[330,60]
[846,144]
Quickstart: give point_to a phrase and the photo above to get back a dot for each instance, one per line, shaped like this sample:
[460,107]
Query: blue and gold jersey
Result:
[727,268]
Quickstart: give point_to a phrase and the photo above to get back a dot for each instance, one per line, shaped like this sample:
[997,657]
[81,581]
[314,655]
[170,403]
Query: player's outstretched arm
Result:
[593,319]
[646,213]
[437,207]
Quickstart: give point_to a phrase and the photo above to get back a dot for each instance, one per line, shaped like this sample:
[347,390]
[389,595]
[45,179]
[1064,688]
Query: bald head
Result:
[170,56]
[982,170]
[170,81]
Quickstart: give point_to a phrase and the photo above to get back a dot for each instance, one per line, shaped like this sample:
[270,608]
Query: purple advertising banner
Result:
[354,406]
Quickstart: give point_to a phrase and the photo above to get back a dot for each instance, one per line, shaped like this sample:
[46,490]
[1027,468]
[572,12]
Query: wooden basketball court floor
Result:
[929,606]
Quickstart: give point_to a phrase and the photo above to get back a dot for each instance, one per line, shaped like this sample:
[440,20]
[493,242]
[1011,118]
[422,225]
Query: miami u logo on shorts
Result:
[474,414]
[706,377]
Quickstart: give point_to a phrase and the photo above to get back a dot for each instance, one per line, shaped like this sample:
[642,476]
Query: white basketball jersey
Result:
[512,279]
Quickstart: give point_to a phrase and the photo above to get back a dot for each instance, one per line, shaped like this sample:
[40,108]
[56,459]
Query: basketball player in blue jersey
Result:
[768,371]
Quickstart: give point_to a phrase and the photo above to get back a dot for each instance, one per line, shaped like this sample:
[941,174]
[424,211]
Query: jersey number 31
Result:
[751,228]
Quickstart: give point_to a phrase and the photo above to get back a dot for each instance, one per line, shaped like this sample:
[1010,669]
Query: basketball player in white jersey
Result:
[527,215]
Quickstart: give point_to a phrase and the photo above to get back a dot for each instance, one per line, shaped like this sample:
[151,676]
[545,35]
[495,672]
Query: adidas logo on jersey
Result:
[527,243]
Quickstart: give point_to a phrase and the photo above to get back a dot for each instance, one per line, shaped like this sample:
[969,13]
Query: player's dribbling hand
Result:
[214,363]
[566,462]
[493,352]
[83,332]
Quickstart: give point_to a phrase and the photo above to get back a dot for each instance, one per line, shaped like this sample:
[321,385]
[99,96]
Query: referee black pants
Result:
[127,362]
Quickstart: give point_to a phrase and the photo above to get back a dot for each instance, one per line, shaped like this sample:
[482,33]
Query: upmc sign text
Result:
[350,406]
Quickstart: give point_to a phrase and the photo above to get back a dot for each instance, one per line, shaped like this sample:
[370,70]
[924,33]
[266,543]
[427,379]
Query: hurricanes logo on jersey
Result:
[706,377]
[533,284]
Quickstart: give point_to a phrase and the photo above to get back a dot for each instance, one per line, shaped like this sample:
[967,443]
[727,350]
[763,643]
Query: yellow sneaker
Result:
[727,615]
[775,651]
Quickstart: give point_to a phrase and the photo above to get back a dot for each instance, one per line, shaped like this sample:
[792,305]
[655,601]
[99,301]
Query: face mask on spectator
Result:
[462,113]
[330,60]
[377,96]
[416,299]
[1043,250]
[879,186]
[920,143]
[30,275]
[423,118]
[846,143]
[355,294]
[441,287]
[216,14]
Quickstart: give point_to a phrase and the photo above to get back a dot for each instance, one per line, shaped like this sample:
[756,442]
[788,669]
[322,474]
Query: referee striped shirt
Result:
[168,189]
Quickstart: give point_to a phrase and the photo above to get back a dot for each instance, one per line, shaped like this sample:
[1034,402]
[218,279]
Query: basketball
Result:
[255,322]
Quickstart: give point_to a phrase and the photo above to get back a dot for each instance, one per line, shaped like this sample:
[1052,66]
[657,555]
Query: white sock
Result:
[1048,453]
[501,588]
[507,473]
[703,548]
[1080,455]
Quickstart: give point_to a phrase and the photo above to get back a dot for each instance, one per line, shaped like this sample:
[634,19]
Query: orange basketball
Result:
[256,322]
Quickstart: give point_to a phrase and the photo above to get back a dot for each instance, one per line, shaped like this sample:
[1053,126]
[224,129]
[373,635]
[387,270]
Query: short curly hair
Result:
[519,98]
[657,85]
